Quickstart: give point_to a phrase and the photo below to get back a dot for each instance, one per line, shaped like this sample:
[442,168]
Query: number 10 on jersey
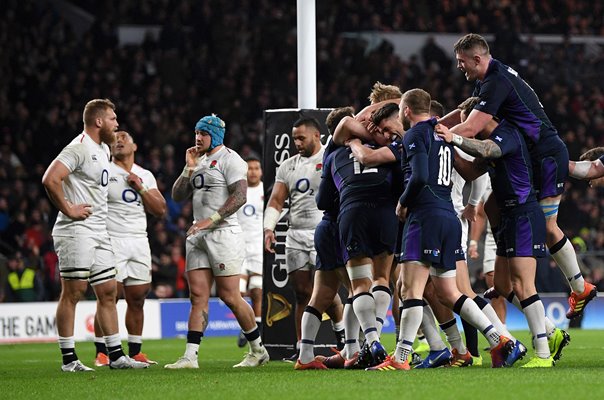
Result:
[444,166]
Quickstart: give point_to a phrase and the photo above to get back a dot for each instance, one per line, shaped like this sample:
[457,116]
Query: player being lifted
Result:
[521,235]
[504,94]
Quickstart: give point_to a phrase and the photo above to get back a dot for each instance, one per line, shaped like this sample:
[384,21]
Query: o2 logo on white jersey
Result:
[104,178]
[198,181]
[249,210]
[303,186]
[129,196]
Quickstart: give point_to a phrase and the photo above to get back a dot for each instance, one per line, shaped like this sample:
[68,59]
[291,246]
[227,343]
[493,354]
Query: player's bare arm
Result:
[53,183]
[237,198]
[451,119]
[272,213]
[366,113]
[349,128]
[476,230]
[370,157]
[480,148]
[182,189]
[477,188]
[474,147]
[476,122]
[468,170]
[153,200]
[586,169]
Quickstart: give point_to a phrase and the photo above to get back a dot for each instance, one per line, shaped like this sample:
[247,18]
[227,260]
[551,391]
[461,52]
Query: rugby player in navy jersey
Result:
[432,233]
[367,229]
[506,95]
[521,235]
[329,273]
[386,120]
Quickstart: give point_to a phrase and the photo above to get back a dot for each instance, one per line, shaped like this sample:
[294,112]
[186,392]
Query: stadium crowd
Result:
[239,58]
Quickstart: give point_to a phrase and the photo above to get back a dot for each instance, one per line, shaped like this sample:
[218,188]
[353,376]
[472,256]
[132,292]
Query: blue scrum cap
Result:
[214,126]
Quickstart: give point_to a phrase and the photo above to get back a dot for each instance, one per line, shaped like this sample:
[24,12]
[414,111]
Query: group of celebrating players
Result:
[402,149]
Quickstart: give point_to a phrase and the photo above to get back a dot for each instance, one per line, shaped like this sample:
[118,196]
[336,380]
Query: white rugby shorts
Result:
[85,258]
[300,250]
[219,249]
[132,260]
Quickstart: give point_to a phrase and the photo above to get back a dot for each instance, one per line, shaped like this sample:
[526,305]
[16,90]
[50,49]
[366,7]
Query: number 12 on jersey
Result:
[360,168]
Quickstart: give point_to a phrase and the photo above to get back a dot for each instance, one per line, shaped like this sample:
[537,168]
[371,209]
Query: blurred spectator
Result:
[217,55]
[182,289]
[23,281]
[164,272]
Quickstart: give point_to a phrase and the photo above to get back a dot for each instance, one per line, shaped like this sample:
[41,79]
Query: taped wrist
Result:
[457,140]
[216,218]
[271,217]
[581,169]
[186,172]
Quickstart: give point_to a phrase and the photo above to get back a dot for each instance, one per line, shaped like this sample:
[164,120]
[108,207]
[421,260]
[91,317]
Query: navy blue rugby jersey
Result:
[504,94]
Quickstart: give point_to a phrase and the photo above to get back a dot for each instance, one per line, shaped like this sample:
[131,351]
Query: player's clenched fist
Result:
[135,182]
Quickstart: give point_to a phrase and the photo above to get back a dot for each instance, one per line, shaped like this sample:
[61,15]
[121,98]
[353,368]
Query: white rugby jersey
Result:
[488,189]
[210,179]
[302,176]
[88,164]
[457,191]
[458,185]
[250,218]
[126,211]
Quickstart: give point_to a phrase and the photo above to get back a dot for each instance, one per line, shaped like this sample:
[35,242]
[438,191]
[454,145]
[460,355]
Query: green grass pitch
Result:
[32,371]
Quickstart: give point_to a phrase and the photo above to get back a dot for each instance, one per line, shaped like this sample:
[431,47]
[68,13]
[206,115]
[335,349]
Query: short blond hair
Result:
[381,92]
[418,100]
[96,108]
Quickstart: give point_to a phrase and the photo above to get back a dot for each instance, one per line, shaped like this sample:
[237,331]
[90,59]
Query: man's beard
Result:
[107,136]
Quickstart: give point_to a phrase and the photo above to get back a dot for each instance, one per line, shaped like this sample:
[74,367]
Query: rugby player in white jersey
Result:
[215,177]
[478,227]
[132,193]
[298,178]
[250,218]
[77,184]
